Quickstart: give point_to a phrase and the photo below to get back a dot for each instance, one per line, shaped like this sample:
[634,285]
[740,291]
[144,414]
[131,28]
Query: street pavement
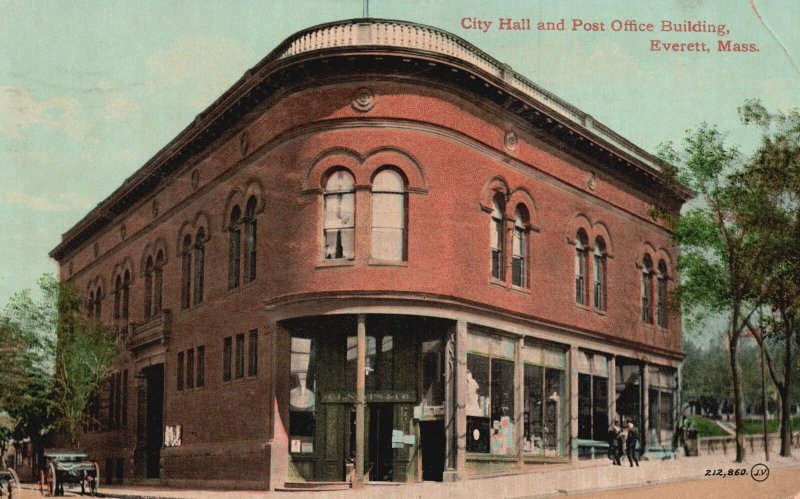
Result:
[681,477]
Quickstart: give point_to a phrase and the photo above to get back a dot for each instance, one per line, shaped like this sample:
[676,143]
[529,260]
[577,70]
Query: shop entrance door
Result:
[380,461]
[432,447]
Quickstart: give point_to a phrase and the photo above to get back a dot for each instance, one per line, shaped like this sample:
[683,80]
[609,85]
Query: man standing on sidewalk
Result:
[614,450]
[630,444]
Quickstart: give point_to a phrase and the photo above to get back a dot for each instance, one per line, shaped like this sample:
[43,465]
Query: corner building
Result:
[381,253]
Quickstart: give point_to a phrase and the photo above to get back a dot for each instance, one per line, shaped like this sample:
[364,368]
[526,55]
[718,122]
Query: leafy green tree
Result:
[52,361]
[717,247]
[27,353]
[772,177]
[705,377]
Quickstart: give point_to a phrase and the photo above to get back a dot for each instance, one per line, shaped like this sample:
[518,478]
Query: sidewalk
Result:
[547,481]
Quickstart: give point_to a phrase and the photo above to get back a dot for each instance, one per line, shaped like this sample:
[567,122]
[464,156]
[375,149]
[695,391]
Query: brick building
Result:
[381,252]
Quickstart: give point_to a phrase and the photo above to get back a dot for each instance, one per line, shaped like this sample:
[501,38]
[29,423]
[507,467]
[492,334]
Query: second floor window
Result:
[250,240]
[647,290]
[227,354]
[388,216]
[199,264]
[148,288]
[599,271]
[581,257]
[186,272]
[339,216]
[158,285]
[519,250]
[496,239]
[235,248]
[661,303]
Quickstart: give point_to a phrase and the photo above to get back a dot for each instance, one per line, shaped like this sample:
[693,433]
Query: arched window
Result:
[186,272]
[148,288]
[339,217]
[661,303]
[519,249]
[90,305]
[250,240]
[599,274]
[235,244]
[159,283]
[496,238]
[117,296]
[126,282]
[97,304]
[199,260]
[647,290]
[388,216]
[581,264]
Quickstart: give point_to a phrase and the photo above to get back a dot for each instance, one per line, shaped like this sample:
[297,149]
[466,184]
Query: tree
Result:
[27,352]
[705,377]
[53,361]
[772,176]
[717,246]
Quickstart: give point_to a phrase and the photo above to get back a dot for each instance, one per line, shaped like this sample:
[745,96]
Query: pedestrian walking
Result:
[631,442]
[614,450]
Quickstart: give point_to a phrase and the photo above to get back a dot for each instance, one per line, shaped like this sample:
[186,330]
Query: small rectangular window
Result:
[190,368]
[227,345]
[201,366]
[252,359]
[180,371]
[125,398]
[239,355]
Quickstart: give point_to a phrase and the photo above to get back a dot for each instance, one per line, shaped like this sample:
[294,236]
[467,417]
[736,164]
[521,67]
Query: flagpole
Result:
[366,8]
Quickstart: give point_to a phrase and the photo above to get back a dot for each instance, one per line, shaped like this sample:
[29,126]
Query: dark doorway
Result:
[381,455]
[432,444]
[151,422]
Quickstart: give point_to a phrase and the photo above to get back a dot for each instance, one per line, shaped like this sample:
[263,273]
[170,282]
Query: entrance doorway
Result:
[432,448]
[381,456]
[150,420]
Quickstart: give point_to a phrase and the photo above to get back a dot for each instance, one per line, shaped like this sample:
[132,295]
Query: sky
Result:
[90,90]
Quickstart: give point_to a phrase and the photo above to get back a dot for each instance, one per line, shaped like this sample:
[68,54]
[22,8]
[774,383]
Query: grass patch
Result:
[755,426]
[706,427]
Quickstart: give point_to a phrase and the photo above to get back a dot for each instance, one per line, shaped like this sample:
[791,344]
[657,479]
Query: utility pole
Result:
[763,387]
[366,8]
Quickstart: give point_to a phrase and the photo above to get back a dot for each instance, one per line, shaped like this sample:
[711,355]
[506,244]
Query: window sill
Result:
[335,263]
[497,282]
[388,263]
[520,289]
[485,456]
[601,312]
[583,307]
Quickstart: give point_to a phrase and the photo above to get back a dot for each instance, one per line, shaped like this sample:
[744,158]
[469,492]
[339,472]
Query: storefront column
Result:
[450,440]
[645,407]
[573,401]
[361,382]
[461,398]
[519,381]
[612,389]
[278,444]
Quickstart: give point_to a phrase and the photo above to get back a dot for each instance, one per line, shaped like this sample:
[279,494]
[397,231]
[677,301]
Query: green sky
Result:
[90,90]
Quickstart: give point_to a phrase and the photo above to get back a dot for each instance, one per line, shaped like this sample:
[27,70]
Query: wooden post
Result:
[361,381]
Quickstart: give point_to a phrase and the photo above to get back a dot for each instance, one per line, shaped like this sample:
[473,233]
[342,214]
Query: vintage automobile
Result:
[68,467]
[9,483]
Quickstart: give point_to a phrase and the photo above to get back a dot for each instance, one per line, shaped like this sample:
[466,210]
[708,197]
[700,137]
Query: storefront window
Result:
[663,387]
[490,394]
[302,395]
[592,396]
[433,373]
[379,362]
[545,401]
[629,391]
